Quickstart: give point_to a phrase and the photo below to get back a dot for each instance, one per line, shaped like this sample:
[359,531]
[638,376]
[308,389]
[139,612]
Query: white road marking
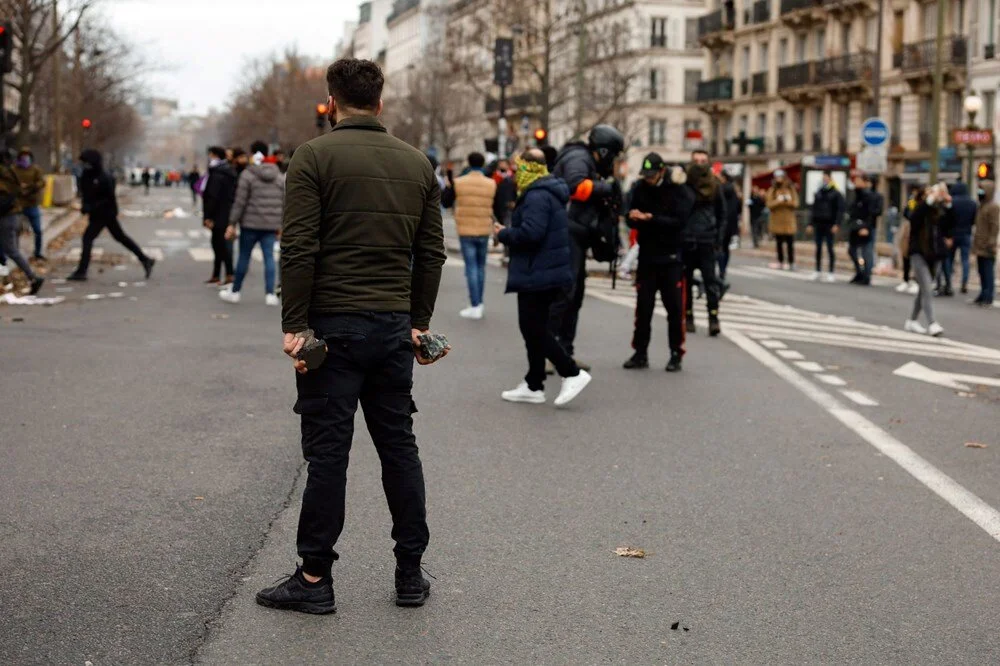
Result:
[860,398]
[790,354]
[197,234]
[950,380]
[832,380]
[966,502]
[774,344]
[169,233]
[201,253]
[810,366]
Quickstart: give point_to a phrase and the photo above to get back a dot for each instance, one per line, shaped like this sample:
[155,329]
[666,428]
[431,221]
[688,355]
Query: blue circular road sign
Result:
[874,132]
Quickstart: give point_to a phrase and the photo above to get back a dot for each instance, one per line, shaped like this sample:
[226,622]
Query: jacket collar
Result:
[360,122]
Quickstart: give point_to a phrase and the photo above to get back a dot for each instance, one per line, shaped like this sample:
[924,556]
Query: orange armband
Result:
[583,190]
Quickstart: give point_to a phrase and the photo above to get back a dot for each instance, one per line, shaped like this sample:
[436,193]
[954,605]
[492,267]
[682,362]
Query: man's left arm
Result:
[428,259]
[299,240]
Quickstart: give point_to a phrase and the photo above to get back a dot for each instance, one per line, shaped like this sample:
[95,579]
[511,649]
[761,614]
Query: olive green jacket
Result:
[32,185]
[362,227]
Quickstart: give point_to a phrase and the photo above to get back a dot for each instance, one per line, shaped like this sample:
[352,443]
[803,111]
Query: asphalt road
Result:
[799,503]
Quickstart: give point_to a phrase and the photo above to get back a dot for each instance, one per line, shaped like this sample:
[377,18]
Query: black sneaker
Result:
[148,266]
[297,594]
[36,285]
[689,324]
[77,277]
[675,363]
[713,326]
[412,589]
[965,288]
[637,362]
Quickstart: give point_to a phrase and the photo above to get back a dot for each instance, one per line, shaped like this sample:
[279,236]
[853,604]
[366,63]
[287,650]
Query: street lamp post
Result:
[973,104]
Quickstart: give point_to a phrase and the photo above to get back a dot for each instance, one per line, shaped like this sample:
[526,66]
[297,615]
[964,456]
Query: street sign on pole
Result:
[874,132]
[873,159]
[972,137]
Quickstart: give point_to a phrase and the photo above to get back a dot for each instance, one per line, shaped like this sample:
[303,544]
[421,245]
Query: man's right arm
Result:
[240,201]
[428,259]
[299,239]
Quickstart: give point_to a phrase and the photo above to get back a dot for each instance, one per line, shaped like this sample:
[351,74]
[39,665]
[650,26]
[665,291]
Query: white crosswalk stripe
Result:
[776,325]
[98,252]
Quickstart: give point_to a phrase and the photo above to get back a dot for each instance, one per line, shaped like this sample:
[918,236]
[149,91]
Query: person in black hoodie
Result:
[217,201]
[826,216]
[733,210]
[703,236]
[658,209]
[864,212]
[97,190]
[963,217]
[586,168]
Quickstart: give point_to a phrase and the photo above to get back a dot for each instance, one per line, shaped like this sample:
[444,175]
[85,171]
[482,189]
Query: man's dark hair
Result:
[699,152]
[238,152]
[217,151]
[258,147]
[533,155]
[477,160]
[355,83]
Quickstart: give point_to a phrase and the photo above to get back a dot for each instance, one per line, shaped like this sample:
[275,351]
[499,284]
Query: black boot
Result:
[148,266]
[412,589]
[77,276]
[713,325]
[638,361]
[675,362]
[689,323]
[297,594]
[36,285]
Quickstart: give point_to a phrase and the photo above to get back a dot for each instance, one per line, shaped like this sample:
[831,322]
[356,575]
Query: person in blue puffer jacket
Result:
[540,272]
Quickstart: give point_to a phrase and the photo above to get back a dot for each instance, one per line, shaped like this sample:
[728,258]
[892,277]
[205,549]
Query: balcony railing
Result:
[717,21]
[796,76]
[759,84]
[715,90]
[789,6]
[759,12]
[922,55]
[817,142]
[846,68]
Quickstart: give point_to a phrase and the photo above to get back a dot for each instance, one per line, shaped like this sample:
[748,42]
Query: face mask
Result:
[24,161]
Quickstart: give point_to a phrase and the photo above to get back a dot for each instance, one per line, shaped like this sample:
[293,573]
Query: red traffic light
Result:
[540,134]
[322,109]
[984,171]
[85,123]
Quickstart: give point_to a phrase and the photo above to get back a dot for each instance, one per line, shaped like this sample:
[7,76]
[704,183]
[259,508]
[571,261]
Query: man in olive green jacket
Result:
[32,188]
[361,254]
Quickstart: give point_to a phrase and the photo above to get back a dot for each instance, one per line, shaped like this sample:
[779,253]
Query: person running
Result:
[97,191]
[362,255]
[704,234]
[539,272]
[783,201]
[825,217]
[32,181]
[963,216]
[257,208]
[10,221]
[659,208]
[930,240]
[217,203]
[472,195]
[864,215]
[984,245]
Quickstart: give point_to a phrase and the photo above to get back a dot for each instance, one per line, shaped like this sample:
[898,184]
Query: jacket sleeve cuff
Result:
[421,324]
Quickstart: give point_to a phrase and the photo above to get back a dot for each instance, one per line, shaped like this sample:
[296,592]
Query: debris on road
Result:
[11,299]
[975,445]
[219,316]
[628,551]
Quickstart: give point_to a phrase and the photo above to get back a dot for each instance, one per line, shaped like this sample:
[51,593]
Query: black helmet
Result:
[608,143]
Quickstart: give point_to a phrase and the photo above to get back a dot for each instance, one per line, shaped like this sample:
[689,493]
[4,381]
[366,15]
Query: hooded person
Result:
[539,273]
[782,200]
[734,207]
[963,216]
[825,217]
[930,239]
[32,182]
[864,213]
[217,202]
[984,244]
[257,211]
[595,197]
[659,207]
[97,192]
[704,235]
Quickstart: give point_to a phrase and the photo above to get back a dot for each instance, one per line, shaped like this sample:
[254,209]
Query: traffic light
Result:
[86,124]
[541,137]
[6,48]
[321,112]
[984,171]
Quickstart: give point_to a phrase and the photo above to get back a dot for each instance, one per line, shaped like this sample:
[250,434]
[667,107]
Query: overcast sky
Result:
[205,43]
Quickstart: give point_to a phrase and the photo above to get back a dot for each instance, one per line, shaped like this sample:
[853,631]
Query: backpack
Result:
[604,237]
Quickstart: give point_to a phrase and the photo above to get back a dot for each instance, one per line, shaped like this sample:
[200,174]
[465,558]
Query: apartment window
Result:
[800,130]
[745,124]
[988,116]
[745,64]
[898,23]
[926,114]
[845,38]
[761,124]
[657,131]
[842,131]
[764,57]
[692,77]
[871,33]
[821,43]
[658,38]
[691,125]
[930,18]
[783,52]
[897,120]
[691,34]
[801,48]
[655,84]
[817,128]
[779,131]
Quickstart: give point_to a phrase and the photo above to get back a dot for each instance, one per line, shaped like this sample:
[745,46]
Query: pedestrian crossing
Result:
[773,324]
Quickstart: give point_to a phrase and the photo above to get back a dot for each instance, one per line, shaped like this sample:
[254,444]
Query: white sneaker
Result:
[830,277]
[914,288]
[4,271]
[524,394]
[815,276]
[913,326]
[271,299]
[473,312]
[935,329]
[786,267]
[571,387]
[229,296]
[903,287]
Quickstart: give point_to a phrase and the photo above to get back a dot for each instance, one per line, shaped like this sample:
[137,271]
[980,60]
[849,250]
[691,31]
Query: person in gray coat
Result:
[257,211]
